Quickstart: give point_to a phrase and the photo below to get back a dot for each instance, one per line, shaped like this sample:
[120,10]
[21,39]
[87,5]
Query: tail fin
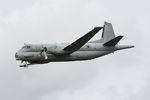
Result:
[114,41]
[108,36]
[108,32]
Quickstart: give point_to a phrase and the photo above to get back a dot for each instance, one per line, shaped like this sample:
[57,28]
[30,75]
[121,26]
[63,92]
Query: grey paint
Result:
[119,76]
[36,54]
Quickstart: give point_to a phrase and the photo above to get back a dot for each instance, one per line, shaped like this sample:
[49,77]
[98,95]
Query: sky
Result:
[123,75]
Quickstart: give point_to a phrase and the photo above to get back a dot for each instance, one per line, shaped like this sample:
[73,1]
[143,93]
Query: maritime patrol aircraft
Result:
[79,50]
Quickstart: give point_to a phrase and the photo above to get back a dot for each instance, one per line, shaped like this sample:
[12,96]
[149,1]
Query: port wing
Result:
[81,41]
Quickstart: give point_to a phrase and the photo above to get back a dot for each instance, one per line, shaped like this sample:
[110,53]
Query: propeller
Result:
[44,50]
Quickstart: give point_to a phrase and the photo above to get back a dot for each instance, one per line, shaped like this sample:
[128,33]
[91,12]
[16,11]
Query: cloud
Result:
[122,75]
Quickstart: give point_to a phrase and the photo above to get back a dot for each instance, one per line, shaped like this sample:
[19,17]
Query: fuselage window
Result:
[88,46]
[28,47]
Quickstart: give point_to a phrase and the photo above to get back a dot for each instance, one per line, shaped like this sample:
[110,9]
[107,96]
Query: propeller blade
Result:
[45,55]
[44,50]
[22,61]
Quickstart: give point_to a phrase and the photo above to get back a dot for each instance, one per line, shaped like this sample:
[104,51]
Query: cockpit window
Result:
[26,47]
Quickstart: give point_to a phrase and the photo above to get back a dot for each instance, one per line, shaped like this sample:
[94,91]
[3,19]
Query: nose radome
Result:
[16,56]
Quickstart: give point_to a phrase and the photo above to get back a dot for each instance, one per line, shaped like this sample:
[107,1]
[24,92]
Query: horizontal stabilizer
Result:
[114,41]
[81,41]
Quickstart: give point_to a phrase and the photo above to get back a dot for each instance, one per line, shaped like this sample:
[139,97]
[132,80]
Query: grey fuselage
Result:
[31,52]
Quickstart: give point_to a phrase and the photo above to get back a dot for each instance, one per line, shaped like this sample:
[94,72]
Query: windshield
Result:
[26,47]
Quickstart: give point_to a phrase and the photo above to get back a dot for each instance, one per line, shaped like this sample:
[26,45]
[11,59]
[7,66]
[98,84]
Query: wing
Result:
[81,41]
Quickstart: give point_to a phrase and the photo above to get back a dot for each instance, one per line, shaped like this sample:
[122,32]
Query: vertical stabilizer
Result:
[108,32]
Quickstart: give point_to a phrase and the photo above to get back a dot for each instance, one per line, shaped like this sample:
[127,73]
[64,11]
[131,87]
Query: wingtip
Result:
[132,46]
[121,36]
[98,27]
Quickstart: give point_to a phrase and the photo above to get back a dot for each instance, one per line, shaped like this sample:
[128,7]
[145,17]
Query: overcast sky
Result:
[123,75]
